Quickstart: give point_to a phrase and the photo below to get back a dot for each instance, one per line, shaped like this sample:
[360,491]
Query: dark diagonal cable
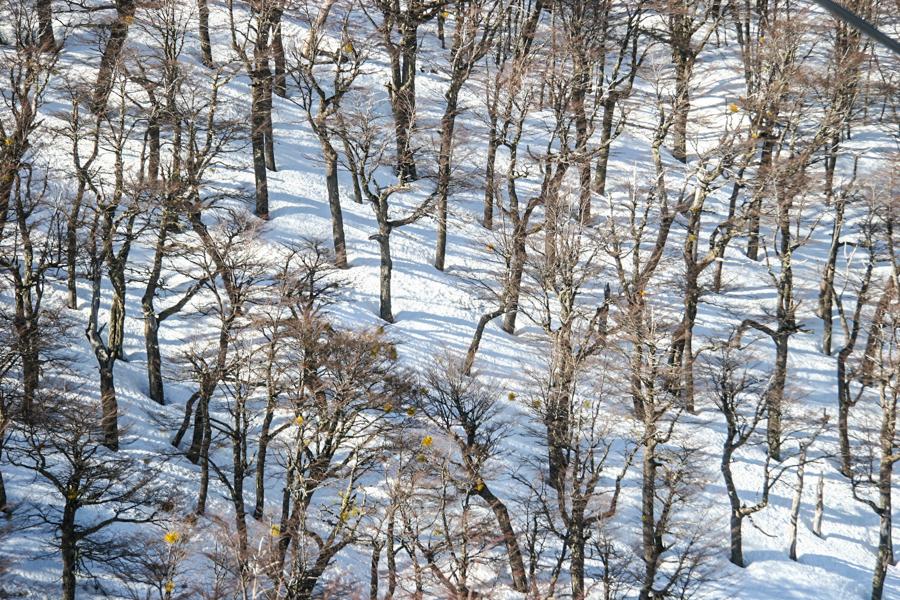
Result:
[857,22]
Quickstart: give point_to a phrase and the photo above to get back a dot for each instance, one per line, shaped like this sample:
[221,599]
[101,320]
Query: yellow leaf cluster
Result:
[171,537]
[427,441]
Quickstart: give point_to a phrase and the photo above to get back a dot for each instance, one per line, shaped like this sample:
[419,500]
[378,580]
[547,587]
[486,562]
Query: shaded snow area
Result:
[399,481]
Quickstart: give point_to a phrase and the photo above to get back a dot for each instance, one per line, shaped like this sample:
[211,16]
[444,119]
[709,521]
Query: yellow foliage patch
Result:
[171,537]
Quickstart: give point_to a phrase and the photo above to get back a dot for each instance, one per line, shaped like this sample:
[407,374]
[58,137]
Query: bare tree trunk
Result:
[205,43]
[279,82]
[885,473]
[682,105]
[205,443]
[403,102]
[876,333]
[72,245]
[606,126]
[45,25]
[582,135]
[732,208]
[373,571]
[487,220]
[111,54]
[513,552]
[765,162]
[820,506]
[476,338]
[576,561]
[448,121]
[795,504]
[267,117]
[775,396]
[262,452]
[391,556]
[109,405]
[826,286]
[514,285]
[648,519]
[68,552]
[258,142]
[334,204]
[386,266]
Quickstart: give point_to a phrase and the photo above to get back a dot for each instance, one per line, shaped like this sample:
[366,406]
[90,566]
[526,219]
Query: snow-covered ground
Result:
[435,315]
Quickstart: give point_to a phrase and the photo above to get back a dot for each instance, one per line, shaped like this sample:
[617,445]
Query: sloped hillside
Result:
[630,329]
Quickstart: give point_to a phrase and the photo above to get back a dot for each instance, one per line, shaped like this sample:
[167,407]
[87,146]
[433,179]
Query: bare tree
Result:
[63,447]
[324,68]
[26,70]
[251,40]
[399,26]
[230,262]
[689,26]
[468,414]
[475,24]
[347,384]
[361,132]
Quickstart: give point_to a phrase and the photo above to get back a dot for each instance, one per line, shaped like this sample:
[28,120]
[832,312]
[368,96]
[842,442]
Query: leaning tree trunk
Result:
[111,54]
[513,552]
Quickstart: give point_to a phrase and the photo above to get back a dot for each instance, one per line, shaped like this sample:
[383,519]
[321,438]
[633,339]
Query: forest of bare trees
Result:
[675,224]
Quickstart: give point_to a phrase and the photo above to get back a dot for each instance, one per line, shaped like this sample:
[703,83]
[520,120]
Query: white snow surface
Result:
[436,313]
